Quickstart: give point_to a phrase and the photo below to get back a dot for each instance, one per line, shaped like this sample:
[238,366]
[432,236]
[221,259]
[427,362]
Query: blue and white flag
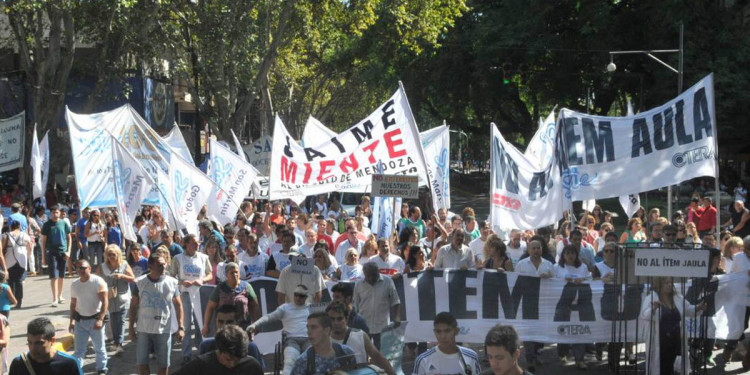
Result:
[233,177]
[382,213]
[40,164]
[436,145]
[132,183]
[190,190]
[176,141]
[541,147]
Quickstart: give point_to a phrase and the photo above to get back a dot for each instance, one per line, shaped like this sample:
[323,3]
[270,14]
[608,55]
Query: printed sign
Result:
[387,185]
[302,265]
[671,262]
[12,142]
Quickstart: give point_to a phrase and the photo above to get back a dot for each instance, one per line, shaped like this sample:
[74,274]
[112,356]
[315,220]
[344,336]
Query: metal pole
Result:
[679,91]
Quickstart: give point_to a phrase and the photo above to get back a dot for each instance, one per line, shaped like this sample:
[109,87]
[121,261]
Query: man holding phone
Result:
[56,243]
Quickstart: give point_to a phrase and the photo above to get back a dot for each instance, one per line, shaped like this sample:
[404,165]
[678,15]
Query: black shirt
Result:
[61,364]
[209,364]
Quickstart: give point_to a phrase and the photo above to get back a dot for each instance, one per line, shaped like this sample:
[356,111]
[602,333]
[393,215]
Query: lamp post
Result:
[460,155]
[611,67]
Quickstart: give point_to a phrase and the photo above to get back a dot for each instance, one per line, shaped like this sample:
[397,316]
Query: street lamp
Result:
[611,68]
[460,155]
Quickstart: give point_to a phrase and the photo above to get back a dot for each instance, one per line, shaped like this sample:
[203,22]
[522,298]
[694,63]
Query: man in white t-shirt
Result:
[388,263]
[477,244]
[254,261]
[447,357]
[516,246]
[88,308]
[350,241]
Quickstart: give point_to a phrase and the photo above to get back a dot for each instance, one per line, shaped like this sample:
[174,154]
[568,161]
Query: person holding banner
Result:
[570,268]
[456,254]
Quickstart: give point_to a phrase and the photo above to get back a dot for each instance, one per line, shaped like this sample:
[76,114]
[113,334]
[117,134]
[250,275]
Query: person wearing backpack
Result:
[323,355]
[16,252]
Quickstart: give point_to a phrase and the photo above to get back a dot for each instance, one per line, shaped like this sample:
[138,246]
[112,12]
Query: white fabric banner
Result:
[132,184]
[522,195]
[190,189]
[238,146]
[315,133]
[541,147]
[436,145]
[176,141]
[630,204]
[259,154]
[13,130]
[663,146]
[348,161]
[233,177]
[40,164]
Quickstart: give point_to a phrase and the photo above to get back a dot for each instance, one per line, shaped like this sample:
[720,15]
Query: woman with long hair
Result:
[327,269]
[417,260]
[215,256]
[137,262]
[570,268]
[732,247]
[118,275]
[16,245]
[563,232]
[494,254]
[691,233]
[634,234]
[114,235]
[369,249]
[406,239]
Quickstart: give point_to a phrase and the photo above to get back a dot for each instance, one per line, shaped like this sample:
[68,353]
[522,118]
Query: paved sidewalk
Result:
[37,300]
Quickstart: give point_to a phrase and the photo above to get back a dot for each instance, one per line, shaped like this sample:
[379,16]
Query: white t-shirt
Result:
[392,265]
[86,295]
[526,267]
[740,263]
[515,254]
[351,273]
[155,303]
[477,245]
[17,251]
[434,362]
[569,271]
[255,266]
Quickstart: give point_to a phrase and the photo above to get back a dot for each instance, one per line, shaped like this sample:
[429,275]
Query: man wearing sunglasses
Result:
[88,310]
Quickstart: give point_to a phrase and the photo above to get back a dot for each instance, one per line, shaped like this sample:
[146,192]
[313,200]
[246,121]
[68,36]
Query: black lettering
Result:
[627,309]
[572,139]
[599,141]
[663,131]
[495,285]
[388,111]
[679,123]
[701,116]
[641,139]
[288,149]
[426,293]
[363,135]
[506,176]
[312,153]
[457,292]
[565,305]
[338,145]
[538,186]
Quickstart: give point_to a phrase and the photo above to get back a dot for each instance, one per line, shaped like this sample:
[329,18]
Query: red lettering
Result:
[371,148]
[349,165]
[288,170]
[325,168]
[308,173]
[391,142]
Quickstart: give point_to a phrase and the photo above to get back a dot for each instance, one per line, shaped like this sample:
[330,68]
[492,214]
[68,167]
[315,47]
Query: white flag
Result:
[190,189]
[40,164]
[541,147]
[175,140]
[238,146]
[436,145]
[132,184]
[315,133]
[233,177]
[630,203]
[588,205]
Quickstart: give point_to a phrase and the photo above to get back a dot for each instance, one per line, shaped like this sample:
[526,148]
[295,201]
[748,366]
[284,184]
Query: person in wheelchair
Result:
[293,318]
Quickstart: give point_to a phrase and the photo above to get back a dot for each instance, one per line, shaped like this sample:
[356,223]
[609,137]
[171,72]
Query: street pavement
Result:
[37,300]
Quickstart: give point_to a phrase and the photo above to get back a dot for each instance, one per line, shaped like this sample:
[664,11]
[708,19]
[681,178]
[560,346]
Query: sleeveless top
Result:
[356,341]
[94,228]
[238,298]
[736,218]
[632,239]
[604,269]
[122,299]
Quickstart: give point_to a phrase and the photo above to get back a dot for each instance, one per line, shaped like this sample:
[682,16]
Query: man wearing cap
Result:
[293,318]
[290,278]
[16,215]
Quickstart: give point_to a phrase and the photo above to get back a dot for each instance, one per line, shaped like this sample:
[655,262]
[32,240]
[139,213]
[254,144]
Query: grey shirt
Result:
[374,302]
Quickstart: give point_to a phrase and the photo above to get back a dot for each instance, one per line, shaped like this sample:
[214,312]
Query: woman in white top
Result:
[17,247]
[96,237]
[351,270]
[570,268]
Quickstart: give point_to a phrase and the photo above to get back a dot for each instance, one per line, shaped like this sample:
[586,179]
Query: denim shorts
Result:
[162,344]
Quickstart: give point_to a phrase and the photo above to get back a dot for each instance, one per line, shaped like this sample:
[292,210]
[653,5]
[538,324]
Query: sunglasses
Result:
[300,295]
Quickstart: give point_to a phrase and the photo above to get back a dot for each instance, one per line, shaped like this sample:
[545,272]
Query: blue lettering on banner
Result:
[571,181]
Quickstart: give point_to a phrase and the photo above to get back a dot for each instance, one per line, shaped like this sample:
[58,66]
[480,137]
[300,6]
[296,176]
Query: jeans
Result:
[95,253]
[82,331]
[187,313]
[16,276]
[579,350]
[161,344]
[117,320]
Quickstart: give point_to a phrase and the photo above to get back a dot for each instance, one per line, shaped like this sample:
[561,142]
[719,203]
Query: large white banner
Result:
[40,164]
[259,154]
[436,145]
[315,133]
[606,157]
[12,136]
[522,195]
[541,147]
[190,191]
[132,184]
[92,157]
[347,161]
[542,310]
[176,141]
[233,177]
[238,146]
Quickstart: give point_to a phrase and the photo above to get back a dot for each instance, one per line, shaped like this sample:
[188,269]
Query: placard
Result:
[388,185]
[671,262]
[302,265]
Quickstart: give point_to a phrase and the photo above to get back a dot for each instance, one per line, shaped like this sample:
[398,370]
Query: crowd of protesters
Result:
[149,286]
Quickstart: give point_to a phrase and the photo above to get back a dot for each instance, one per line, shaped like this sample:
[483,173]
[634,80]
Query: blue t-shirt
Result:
[175,249]
[56,232]
[322,364]
[4,300]
[81,225]
[114,236]
[61,364]
[19,218]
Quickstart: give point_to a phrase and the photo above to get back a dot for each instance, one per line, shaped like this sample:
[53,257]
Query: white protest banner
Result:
[315,133]
[348,160]
[238,146]
[522,195]
[671,262]
[190,191]
[301,265]
[233,177]
[40,164]
[386,185]
[176,141]
[12,138]
[606,157]
[92,157]
[436,145]
[630,204]
[132,183]
[541,147]
[542,310]
[259,154]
